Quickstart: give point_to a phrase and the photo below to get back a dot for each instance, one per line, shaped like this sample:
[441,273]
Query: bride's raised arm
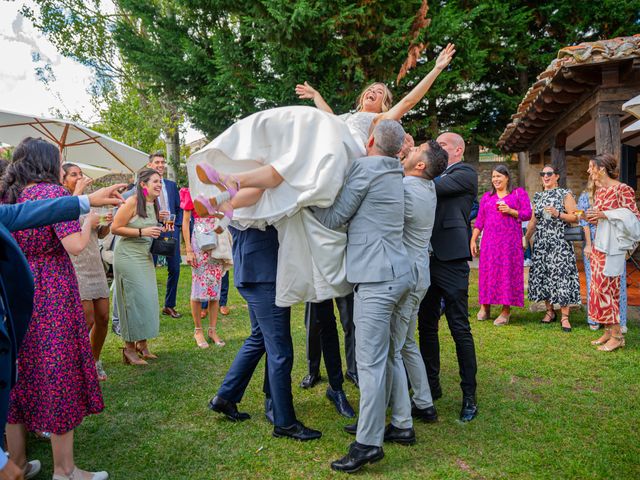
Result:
[305,91]
[419,91]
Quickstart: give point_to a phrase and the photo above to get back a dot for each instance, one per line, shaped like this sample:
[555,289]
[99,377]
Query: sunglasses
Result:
[546,174]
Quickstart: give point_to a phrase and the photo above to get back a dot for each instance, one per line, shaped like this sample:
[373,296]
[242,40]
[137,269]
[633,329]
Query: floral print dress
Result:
[604,295]
[206,273]
[57,382]
[553,275]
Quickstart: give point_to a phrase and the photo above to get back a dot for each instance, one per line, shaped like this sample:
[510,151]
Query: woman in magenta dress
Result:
[57,381]
[501,280]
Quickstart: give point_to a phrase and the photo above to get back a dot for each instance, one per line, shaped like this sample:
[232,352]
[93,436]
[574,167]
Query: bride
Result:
[265,168]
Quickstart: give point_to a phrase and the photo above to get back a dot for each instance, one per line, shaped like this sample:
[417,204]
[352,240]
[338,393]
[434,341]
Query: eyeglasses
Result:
[546,174]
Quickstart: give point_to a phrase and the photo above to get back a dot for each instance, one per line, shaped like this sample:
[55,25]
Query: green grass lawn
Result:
[551,407]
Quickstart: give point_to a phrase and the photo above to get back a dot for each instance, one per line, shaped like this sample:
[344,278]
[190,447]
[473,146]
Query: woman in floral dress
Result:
[604,296]
[553,277]
[501,280]
[206,275]
[57,382]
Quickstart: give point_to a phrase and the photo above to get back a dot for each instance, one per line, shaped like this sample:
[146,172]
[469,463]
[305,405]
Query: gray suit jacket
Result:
[419,215]
[371,202]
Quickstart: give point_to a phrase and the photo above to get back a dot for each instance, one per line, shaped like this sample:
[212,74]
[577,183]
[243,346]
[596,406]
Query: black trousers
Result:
[322,338]
[449,281]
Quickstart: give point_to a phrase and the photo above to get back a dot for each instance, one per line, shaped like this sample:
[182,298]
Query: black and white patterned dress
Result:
[554,274]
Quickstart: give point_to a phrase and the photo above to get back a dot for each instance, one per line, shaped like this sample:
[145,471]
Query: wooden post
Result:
[608,134]
[559,159]
[523,161]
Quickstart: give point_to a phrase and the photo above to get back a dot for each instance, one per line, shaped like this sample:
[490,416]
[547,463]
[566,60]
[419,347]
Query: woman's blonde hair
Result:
[387,99]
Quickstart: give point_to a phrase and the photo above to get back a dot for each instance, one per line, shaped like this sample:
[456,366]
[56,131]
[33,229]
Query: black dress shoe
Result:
[403,436]
[228,409]
[353,378]
[429,414]
[359,455]
[268,410]
[339,399]
[297,431]
[469,409]
[310,380]
[351,429]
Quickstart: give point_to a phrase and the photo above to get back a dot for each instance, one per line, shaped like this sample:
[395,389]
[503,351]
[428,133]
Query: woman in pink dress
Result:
[500,218]
[57,381]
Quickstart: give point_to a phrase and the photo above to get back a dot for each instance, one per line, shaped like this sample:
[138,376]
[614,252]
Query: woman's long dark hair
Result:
[145,175]
[502,170]
[34,161]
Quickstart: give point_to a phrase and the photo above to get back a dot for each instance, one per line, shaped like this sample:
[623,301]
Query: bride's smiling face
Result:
[375,99]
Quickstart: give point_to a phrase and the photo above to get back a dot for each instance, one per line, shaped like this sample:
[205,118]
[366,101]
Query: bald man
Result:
[456,190]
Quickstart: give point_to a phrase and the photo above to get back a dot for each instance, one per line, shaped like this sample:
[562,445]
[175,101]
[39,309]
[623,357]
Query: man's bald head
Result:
[453,144]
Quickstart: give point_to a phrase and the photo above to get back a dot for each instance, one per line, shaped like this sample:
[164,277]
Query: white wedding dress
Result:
[312,150]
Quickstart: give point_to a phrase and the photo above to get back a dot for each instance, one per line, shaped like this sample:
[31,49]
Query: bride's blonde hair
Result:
[387,99]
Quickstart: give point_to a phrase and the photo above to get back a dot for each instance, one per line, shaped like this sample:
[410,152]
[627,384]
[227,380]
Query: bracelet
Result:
[139,232]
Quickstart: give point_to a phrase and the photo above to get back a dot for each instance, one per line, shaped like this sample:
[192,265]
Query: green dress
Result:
[135,277]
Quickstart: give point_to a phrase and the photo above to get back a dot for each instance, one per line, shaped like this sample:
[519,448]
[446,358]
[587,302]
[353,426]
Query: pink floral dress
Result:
[206,274]
[57,383]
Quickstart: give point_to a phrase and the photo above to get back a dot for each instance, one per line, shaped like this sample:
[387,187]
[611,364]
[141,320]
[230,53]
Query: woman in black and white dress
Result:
[554,275]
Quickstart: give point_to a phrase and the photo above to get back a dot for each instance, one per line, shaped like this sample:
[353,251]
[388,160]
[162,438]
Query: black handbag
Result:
[573,233]
[165,246]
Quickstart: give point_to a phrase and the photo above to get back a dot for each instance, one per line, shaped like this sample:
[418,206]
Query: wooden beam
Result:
[585,143]
[580,153]
[610,75]
[631,137]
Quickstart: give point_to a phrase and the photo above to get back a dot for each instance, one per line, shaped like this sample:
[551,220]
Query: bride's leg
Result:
[246,197]
[260,178]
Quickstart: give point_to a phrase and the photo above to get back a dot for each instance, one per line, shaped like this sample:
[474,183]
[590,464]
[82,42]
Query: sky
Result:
[23,50]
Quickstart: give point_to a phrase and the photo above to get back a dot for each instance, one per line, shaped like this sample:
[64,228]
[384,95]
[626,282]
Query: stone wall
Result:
[576,175]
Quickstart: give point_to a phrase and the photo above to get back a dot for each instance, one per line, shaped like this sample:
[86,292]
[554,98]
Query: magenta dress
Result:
[57,383]
[501,280]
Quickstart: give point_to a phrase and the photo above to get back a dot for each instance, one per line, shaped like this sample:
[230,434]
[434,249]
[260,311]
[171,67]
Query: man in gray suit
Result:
[421,166]
[371,202]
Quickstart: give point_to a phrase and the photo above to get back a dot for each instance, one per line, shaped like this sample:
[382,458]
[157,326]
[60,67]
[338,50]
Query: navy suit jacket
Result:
[255,256]
[16,280]
[173,200]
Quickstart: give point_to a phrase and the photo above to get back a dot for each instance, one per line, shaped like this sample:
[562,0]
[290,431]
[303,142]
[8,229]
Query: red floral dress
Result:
[57,383]
[206,276]
[604,295]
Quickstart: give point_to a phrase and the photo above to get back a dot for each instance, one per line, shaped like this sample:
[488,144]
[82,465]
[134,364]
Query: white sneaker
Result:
[623,330]
[527,262]
[32,469]
[77,475]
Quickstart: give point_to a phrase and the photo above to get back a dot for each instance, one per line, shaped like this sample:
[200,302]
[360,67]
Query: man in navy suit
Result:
[169,200]
[255,258]
[16,283]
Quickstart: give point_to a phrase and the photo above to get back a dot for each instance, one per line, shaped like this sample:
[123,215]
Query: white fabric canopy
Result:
[91,171]
[77,143]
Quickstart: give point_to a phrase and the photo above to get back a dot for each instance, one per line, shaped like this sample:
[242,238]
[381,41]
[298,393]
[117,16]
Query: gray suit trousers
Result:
[404,356]
[375,305]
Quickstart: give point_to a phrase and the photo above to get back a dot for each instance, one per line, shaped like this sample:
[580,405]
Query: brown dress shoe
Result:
[171,312]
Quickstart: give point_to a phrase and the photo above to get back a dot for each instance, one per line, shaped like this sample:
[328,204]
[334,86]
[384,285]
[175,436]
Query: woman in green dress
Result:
[134,273]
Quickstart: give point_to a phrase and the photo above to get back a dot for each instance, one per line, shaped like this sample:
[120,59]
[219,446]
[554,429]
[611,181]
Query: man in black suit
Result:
[456,188]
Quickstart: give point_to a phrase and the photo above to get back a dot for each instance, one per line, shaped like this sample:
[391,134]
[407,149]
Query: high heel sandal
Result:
[502,320]
[222,223]
[206,207]
[482,315]
[145,353]
[131,358]
[209,175]
[203,343]
[77,474]
[608,348]
[218,342]
[565,318]
[604,338]
[551,315]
